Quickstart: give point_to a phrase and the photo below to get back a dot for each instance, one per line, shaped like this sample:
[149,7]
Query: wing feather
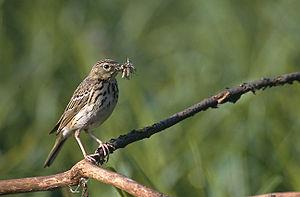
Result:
[79,99]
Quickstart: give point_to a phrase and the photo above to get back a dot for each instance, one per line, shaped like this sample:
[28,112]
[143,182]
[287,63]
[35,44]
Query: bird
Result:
[91,104]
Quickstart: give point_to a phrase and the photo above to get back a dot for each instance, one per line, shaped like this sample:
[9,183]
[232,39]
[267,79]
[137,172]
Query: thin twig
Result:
[280,194]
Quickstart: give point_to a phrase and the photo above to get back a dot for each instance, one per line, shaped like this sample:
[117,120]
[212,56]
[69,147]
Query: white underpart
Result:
[66,132]
[93,115]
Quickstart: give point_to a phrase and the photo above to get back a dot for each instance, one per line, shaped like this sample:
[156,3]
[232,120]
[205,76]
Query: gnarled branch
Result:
[72,177]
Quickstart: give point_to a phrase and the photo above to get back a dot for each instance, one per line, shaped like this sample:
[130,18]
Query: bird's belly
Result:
[94,115]
[102,114]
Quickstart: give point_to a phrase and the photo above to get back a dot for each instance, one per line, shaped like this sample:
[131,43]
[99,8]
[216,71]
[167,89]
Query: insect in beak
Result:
[127,69]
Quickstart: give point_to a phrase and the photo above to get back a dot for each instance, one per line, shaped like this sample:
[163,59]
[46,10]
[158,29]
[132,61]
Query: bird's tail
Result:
[60,140]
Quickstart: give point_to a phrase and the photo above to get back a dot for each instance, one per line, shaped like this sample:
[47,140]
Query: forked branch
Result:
[82,169]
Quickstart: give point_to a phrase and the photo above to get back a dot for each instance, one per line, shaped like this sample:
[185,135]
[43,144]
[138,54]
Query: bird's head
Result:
[107,69]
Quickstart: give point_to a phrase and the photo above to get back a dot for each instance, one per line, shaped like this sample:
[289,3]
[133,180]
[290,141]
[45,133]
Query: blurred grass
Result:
[184,51]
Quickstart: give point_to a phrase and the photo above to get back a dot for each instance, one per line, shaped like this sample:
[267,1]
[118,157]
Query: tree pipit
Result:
[91,104]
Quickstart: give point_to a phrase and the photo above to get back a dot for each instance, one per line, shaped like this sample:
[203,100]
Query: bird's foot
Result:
[91,159]
[106,148]
[101,155]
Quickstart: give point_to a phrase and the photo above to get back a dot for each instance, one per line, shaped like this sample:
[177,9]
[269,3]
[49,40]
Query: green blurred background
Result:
[184,51]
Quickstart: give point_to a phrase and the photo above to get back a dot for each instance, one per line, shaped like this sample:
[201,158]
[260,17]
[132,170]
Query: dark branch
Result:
[229,95]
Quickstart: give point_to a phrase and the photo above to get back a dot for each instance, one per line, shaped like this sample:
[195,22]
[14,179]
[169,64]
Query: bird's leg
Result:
[86,156]
[95,138]
[77,137]
[105,147]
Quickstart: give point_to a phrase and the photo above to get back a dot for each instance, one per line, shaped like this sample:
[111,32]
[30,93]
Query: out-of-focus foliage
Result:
[184,51]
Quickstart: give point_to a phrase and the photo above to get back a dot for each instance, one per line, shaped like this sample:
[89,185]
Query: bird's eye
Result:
[106,66]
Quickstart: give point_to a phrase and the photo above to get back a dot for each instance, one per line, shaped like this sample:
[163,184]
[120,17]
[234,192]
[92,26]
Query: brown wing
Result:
[77,102]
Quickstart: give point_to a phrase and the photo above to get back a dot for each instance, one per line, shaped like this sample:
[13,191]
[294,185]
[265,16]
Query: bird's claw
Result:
[106,147]
[91,159]
[100,157]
